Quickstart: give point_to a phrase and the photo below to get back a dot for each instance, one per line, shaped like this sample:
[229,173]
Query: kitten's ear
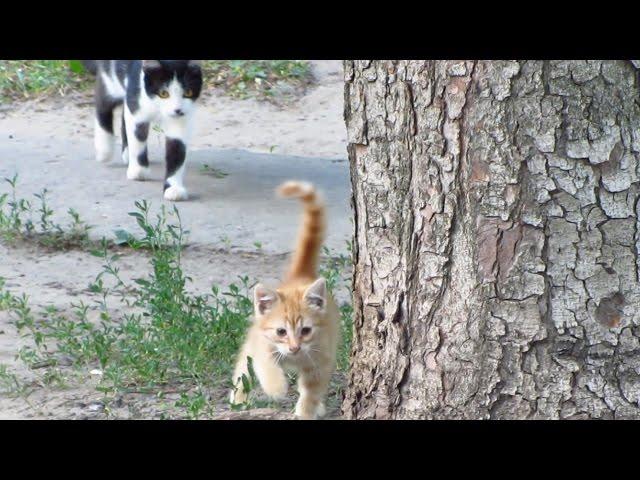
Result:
[150,64]
[316,295]
[195,63]
[263,299]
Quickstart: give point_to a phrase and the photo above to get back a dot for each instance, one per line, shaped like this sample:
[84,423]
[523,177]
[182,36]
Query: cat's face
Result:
[173,85]
[291,319]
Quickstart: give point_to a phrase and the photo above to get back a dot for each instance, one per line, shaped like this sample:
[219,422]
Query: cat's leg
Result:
[312,385]
[176,131]
[104,139]
[137,132]
[238,394]
[125,148]
[272,378]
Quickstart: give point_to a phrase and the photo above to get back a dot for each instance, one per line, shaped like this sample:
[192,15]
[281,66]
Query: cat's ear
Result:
[316,295]
[264,299]
[195,63]
[150,64]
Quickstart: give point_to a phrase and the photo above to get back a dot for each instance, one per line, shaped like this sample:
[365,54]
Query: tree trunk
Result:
[496,239]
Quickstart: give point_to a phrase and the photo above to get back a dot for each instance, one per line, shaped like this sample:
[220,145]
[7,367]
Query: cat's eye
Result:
[188,93]
[305,330]
[281,332]
[163,94]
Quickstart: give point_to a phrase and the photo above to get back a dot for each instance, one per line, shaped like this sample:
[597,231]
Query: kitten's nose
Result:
[178,112]
[294,348]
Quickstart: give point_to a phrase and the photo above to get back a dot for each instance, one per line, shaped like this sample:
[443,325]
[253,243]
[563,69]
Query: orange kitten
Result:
[296,325]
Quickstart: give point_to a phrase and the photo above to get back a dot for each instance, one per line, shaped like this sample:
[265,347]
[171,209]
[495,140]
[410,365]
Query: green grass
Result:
[24,79]
[174,340]
[336,269]
[169,340]
[264,79]
[9,382]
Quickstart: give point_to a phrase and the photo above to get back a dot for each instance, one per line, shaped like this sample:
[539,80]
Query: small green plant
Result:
[249,384]
[336,269]
[226,242]
[263,79]
[17,221]
[6,299]
[213,171]
[9,382]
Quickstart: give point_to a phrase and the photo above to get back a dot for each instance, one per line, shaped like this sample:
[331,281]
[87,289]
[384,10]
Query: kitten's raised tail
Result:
[307,252]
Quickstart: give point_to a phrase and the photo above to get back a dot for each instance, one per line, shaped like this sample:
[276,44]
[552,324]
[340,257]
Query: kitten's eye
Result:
[281,332]
[306,330]
[188,93]
[163,94]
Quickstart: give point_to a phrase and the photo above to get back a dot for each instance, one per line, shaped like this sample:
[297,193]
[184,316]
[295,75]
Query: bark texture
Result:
[496,242]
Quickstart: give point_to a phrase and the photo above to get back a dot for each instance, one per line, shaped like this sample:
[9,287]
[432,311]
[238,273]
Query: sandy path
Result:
[50,145]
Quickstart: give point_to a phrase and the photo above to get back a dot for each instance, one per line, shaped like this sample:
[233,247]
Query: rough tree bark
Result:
[496,239]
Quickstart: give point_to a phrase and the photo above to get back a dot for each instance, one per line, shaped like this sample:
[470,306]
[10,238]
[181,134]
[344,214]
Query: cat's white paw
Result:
[125,156]
[104,156]
[176,193]
[137,172]
[322,410]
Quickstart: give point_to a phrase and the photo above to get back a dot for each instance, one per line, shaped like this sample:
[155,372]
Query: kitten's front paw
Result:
[176,193]
[125,156]
[308,410]
[276,390]
[137,172]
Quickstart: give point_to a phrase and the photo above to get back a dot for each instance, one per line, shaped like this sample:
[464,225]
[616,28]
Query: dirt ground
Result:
[237,226]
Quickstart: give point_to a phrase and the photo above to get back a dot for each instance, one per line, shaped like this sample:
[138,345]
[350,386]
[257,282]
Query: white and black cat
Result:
[159,91]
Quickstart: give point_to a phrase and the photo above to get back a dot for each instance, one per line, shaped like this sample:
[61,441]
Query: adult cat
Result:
[161,91]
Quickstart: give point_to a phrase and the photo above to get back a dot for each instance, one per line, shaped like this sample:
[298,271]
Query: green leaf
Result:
[76,66]
[122,237]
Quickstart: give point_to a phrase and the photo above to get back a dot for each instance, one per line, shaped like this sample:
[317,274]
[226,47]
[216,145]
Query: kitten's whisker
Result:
[279,356]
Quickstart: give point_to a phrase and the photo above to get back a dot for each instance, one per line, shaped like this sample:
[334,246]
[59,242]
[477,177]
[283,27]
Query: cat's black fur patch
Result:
[142,131]
[175,153]
[143,158]
[124,134]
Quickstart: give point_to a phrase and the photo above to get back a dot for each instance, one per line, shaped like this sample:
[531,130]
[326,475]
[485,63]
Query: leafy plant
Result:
[172,339]
[23,79]
[17,221]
